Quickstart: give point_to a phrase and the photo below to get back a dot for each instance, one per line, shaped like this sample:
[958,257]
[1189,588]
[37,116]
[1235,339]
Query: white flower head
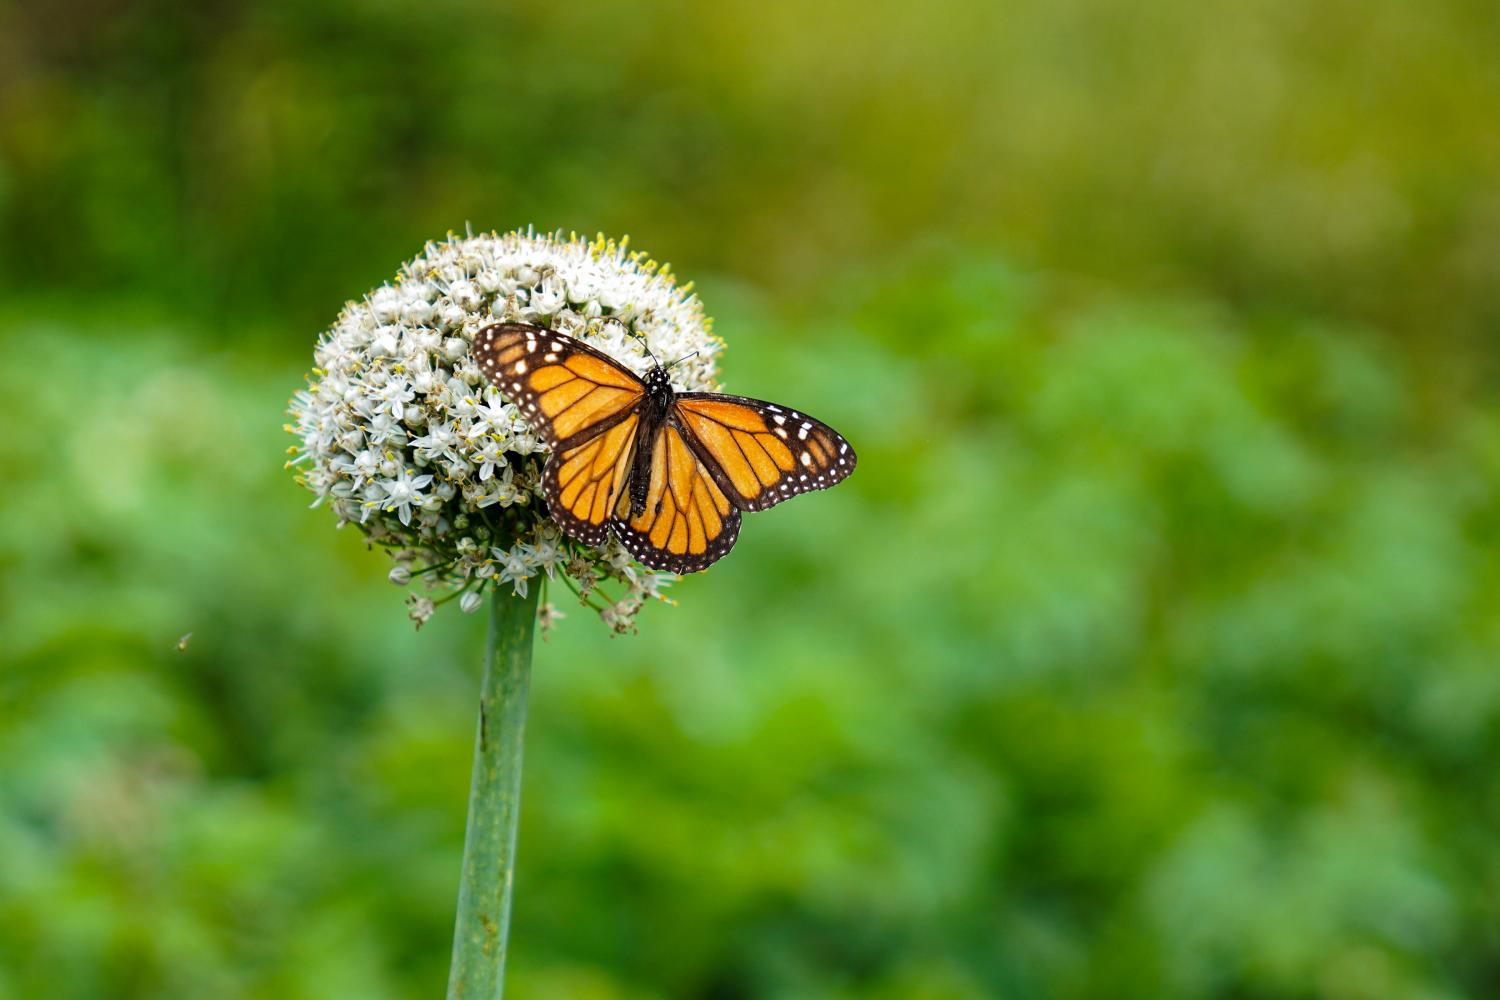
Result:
[402,436]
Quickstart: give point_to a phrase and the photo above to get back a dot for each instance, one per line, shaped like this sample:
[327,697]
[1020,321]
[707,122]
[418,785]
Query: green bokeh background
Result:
[1151,652]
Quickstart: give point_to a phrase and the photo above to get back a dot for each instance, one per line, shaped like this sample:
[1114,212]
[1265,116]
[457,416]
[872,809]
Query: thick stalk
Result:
[482,929]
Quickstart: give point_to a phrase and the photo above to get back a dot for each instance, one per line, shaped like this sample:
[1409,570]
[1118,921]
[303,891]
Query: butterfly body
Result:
[655,409]
[666,472]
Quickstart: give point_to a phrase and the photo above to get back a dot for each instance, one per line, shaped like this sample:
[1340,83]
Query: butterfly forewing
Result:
[568,391]
[583,405]
[763,453]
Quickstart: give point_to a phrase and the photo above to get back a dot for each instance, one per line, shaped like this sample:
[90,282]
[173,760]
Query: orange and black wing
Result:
[583,405]
[688,522]
[567,390]
[762,453]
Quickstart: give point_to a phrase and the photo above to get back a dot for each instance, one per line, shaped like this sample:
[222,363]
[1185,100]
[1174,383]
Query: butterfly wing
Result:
[585,483]
[568,390]
[583,404]
[762,453]
[688,523]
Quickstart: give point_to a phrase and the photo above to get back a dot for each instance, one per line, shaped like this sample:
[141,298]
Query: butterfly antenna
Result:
[633,335]
[682,359]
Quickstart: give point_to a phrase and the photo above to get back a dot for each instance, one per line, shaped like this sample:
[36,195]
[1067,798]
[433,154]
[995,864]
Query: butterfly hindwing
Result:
[762,453]
[583,484]
[688,522]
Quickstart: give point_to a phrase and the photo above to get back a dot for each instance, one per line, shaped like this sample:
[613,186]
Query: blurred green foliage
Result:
[1151,652]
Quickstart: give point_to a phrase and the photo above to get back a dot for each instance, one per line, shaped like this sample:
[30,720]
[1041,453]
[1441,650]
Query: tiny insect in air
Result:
[668,472]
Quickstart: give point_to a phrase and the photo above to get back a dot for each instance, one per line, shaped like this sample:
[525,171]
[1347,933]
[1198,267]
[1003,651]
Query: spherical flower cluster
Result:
[404,438]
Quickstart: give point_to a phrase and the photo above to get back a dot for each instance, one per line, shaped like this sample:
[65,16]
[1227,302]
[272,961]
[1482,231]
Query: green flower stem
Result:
[483,927]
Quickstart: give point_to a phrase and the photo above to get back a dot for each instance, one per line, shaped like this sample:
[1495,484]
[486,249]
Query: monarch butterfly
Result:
[668,472]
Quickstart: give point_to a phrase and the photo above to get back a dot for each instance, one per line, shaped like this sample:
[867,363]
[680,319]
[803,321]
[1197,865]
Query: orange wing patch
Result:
[601,372]
[688,521]
[763,453]
[597,405]
[730,412]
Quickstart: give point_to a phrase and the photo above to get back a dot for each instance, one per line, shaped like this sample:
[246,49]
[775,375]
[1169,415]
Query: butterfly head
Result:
[658,382]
